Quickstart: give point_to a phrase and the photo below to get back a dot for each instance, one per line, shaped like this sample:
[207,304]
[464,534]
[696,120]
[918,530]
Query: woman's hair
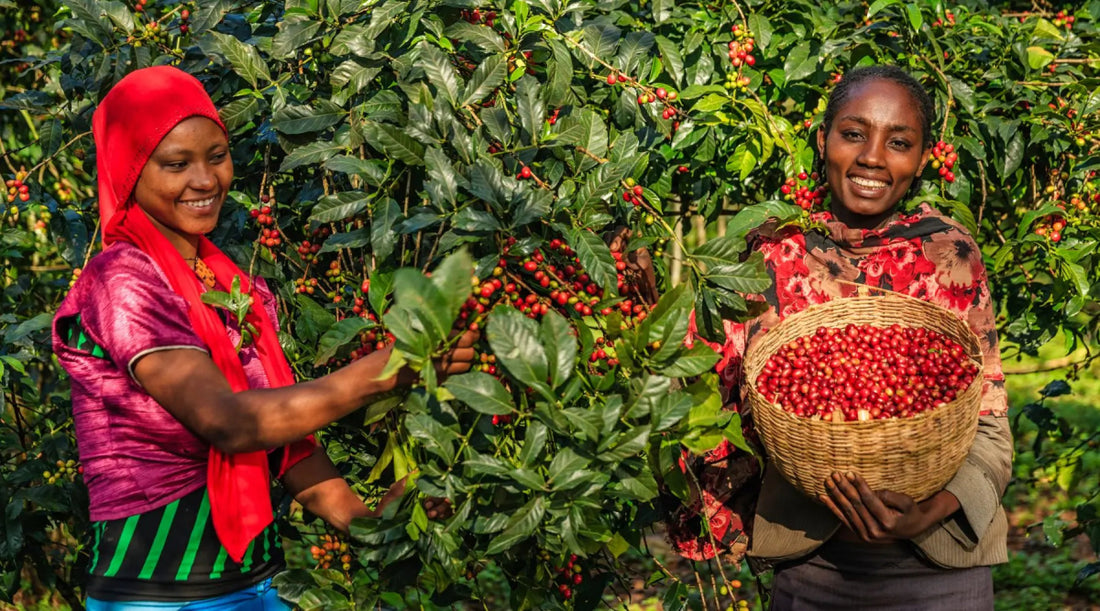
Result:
[853,78]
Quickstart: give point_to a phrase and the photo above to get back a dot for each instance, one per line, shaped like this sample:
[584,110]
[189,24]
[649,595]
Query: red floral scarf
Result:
[130,122]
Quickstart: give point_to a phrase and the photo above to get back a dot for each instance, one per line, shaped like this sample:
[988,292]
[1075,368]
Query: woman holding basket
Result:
[181,425]
[854,547]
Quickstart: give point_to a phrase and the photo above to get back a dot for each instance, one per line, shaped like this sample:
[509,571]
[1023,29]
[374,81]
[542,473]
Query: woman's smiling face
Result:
[873,151]
[185,182]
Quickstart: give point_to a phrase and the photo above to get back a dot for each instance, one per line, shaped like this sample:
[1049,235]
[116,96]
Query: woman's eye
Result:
[219,157]
[900,144]
[176,165]
[852,135]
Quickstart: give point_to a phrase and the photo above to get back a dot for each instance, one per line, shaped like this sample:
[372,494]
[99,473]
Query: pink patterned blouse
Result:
[136,456]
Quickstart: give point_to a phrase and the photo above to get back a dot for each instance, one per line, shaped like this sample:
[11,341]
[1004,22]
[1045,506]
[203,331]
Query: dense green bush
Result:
[375,139]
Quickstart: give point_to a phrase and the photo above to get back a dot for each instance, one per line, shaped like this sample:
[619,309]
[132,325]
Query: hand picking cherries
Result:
[863,372]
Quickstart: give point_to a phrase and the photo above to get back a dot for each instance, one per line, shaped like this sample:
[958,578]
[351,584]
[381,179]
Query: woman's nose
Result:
[872,154]
[203,177]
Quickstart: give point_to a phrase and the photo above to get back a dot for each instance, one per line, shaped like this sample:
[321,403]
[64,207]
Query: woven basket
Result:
[916,456]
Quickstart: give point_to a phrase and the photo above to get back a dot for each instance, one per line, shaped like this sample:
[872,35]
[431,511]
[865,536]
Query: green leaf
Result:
[391,141]
[480,35]
[530,108]
[338,336]
[244,58]
[515,342]
[489,75]
[671,59]
[534,442]
[1038,57]
[367,169]
[310,154]
[627,444]
[482,392]
[339,207]
[752,217]
[520,526]
[306,119]
[352,75]
[1044,29]
[711,103]
[801,62]
[699,359]
[746,277]
[239,112]
[672,407]
[916,19]
[452,278]
[558,92]
[356,238]
[596,258]
[353,40]
[566,470]
[878,5]
[742,161]
[444,181]
[292,36]
[561,347]
[383,238]
[440,72]
[762,29]
[724,250]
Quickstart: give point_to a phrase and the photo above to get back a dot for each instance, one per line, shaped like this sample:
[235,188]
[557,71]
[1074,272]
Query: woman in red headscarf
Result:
[178,432]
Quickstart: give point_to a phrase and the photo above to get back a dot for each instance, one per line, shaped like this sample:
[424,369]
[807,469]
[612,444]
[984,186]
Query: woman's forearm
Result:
[189,385]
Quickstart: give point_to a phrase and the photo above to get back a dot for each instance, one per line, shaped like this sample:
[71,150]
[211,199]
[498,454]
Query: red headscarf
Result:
[130,122]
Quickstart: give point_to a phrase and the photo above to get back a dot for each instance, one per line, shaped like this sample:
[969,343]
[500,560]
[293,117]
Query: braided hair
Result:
[852,79]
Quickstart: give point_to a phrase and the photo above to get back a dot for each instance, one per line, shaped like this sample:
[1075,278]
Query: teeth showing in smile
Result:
[868,183]
[201,203]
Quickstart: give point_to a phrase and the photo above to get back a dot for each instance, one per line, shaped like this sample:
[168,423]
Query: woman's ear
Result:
[821,142]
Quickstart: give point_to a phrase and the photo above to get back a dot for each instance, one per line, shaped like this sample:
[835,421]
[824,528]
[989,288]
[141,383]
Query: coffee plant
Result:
[408,169]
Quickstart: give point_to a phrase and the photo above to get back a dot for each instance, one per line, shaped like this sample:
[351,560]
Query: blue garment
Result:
[260,597]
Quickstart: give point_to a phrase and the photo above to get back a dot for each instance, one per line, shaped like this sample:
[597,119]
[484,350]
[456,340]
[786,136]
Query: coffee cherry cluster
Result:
[331,552]
[863,372]
[648,95]
[67,470]
[17,189]
[1062,18]
[802,192]
[633,194]
[185,16]
[943,160]
[270,235]
[604,351]
[740,49]
[1051,227]
[948,19]
[477,17]
[570,575]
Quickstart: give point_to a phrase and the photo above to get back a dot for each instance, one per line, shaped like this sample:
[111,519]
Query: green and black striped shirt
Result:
[172,553]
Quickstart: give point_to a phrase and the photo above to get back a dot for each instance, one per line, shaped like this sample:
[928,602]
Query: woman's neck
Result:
[862,221]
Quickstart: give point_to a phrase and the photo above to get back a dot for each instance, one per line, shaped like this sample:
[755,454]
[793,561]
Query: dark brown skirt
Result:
[889,577]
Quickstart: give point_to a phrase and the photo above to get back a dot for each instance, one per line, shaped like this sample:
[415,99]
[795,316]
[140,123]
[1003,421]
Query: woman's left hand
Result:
[883,515]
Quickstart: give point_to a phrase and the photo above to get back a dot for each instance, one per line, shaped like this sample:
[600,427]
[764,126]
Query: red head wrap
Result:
[128,126]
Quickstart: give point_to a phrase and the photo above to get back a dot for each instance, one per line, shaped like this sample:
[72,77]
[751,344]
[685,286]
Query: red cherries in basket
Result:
[863,372]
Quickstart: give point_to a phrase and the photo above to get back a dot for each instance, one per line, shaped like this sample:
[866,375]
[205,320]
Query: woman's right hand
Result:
[460,358]
[639,265]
